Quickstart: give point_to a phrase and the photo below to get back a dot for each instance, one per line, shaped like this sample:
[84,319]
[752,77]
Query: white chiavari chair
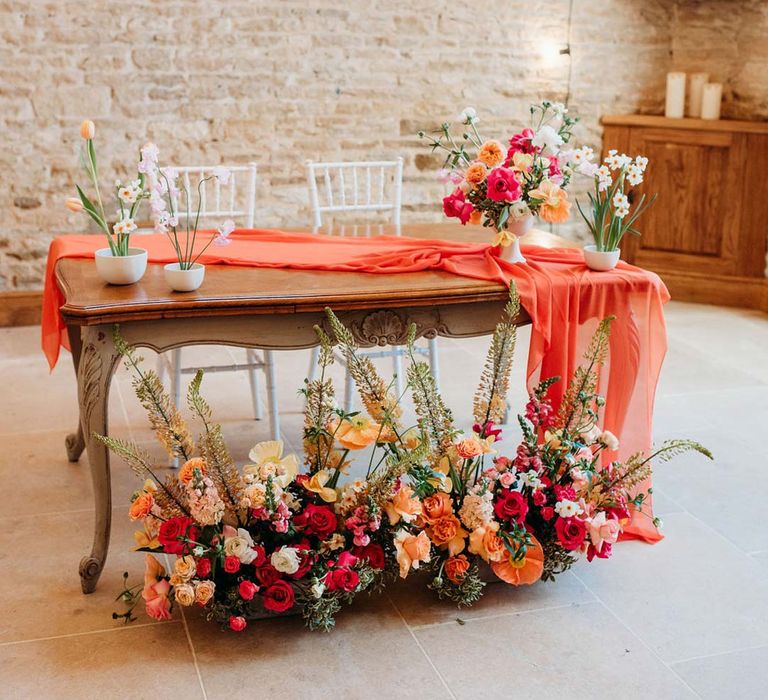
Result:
[219,202]
[362,188]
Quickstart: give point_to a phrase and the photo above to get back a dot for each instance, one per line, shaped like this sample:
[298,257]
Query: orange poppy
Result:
[524,572]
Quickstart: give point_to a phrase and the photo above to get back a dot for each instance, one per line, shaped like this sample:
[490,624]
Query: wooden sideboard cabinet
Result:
[706,233]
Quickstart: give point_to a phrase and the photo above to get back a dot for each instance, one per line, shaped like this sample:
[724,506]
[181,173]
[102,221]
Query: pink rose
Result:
[456,206]
[603,531]
[503,185]
[247,590]
[156,599]
[507,479]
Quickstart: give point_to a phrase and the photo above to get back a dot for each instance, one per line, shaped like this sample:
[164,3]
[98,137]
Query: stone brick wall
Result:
[279,81]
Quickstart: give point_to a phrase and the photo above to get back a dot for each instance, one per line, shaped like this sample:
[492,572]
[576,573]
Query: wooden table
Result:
[253,308]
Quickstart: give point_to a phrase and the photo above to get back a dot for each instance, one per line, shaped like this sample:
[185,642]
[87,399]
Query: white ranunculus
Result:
[240,546]
[286,560]
[547,138]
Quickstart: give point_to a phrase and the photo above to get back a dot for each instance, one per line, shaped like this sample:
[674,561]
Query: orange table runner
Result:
[564,299]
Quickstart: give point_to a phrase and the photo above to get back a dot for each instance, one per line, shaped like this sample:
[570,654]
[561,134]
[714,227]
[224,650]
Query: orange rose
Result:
[435,507]
[492,153]
[403,505]
[523,572]
[456,569]
[486,543]
[469,447]
[141,506]
[475,173]
[411,550]
[356,433]
[186,473]
[448,532]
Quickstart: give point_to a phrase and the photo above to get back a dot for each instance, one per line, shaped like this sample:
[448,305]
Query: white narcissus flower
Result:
[567,509]
[642,163]
[634,174]
[604,178]
[620,199]
[286,560]
[124,226]
[222,174]
[468,116]
[547,138]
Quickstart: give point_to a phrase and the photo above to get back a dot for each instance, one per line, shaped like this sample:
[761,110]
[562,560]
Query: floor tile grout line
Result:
[422,649]
[717,654]
[638,637]
[194,653]
[88,632]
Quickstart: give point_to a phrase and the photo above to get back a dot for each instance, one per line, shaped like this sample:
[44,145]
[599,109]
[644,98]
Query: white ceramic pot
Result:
[520,226]
[511,253]
[600,260]
[121,269]
[184,280]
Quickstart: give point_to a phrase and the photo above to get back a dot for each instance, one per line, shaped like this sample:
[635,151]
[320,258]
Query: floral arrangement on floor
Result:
[274,539]
[501,185]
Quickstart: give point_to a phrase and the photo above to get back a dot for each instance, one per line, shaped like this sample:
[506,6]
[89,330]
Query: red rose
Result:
[173,529]
[267,575]
[604,552]
[238,624]
[373,553]
[456,206]
[231,564]
[279,597]
[503,185]
[548,512]
[317,520]
[261,557]
[306,560]
[511,505]
[570,532]
[247,590]
[202,568]
[343,578]
[539,497]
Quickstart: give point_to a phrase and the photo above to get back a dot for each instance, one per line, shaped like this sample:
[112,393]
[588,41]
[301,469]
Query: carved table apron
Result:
[252,308]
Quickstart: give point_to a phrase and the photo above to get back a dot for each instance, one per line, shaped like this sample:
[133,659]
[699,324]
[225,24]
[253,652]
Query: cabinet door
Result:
[693,226]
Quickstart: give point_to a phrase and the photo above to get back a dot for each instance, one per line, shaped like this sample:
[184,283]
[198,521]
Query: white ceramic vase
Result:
[121,269]
[184,280]
[511,253]
[601,260]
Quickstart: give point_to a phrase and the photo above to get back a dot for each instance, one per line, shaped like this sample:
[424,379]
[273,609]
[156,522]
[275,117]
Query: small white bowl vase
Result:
[121,269]
[184,280]
[601,260]
[511,253]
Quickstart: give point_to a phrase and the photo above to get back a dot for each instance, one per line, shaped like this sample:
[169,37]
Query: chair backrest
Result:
[355,186]
[219,201]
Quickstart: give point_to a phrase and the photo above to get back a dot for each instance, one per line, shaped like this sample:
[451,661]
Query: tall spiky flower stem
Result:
[490,397]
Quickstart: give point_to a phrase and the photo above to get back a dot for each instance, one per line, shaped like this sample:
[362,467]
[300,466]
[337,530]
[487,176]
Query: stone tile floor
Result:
[684,618]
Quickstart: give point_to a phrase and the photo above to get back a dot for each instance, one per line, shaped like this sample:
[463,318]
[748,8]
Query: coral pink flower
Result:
[503,185]
[522,143]
[456,206]
[603,531]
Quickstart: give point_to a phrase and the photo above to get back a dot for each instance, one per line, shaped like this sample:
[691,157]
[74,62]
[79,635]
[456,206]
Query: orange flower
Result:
[469,447]
[486,543]
[74,204]
[456,569]
[435,507]
[448,532]
[523,572]
[476,217]
[141,506]
[146,538]
[411,550]
[555,207]
[403,506]
[87,129]
[156,590]
[492,153]
[356,433]
[475,173]
[186,473]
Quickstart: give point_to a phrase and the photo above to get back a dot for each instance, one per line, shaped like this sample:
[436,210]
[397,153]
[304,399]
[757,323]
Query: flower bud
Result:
[87,129]
[74,204]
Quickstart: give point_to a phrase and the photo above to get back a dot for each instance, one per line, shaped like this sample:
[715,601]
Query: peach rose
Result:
[184,594]
[435,507]
[492,153]
[411,550]
[185,567]
[186,473]
[486,543]
[403,506]
[448,532]
[475,173]
[469,447]
[140,506]
[204,591]
[456,569]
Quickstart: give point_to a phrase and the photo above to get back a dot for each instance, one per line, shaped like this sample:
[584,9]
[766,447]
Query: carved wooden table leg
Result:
[97,365]
[74,442]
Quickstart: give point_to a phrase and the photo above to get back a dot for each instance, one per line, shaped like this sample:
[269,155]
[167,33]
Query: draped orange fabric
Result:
[564,299]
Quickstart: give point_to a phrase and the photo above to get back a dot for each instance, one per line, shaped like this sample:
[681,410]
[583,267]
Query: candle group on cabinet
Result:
[704,98]
[711,96]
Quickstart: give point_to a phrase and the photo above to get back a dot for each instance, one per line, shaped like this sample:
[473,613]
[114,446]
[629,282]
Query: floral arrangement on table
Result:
[609,216]
[269,539]
[505,186]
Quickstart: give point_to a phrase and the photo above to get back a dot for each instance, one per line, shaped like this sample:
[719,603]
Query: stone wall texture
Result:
[280,81]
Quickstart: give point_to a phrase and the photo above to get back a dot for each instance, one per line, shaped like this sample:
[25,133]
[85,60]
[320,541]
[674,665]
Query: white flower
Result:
[129,193]
[604,178]
[519,210]
[558,108]
[590,435]
[642,163]
[567,509]
[634,174]
[468,116]
[613,159]
[621,212]
[150,153]
[609,440]
[124,226]
[620,199]
[582,155]
[587,168]
[531,478]
[477,511]
[285,560]
[317,589]
[240,546]
[547,137]
[222,174]
[223,236]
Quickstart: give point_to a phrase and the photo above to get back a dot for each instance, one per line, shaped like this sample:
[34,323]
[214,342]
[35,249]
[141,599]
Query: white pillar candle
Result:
[675,95]
[711,95]
[698,81]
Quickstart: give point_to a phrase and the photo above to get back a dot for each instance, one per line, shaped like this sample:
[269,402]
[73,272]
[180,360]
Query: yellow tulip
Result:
[87,129]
